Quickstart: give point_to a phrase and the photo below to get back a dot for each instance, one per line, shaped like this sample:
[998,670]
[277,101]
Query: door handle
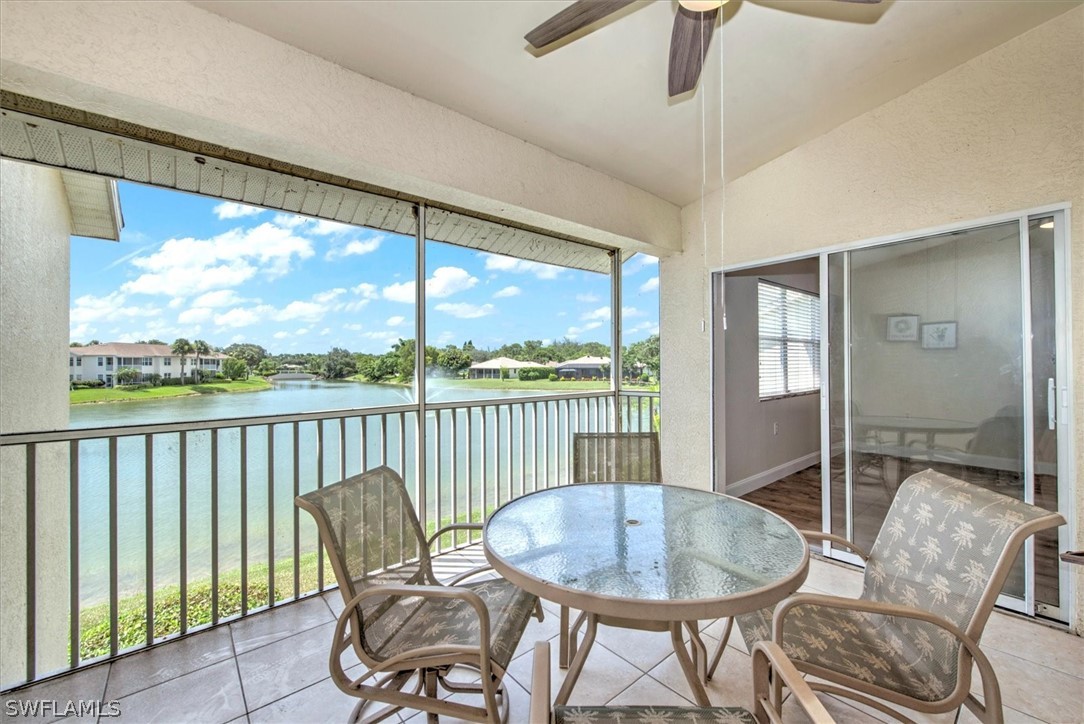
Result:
[1051,403]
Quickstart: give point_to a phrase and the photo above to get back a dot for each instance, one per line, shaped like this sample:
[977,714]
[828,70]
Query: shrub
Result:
[153,379]
[172,382]
[553,376]
[87,384]
[527,374]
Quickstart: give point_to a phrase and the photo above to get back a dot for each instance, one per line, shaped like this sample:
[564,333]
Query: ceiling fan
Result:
[694,24]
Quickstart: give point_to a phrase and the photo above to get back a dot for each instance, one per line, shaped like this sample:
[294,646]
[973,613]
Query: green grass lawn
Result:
[132,610]
[515,384]
[119,394]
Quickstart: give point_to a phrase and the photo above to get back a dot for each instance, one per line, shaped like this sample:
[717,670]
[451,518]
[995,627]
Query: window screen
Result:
[789,331]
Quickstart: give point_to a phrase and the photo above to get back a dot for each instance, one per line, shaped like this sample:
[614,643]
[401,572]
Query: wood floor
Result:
[797,498]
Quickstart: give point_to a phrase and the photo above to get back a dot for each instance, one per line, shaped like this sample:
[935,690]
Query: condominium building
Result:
[102,361]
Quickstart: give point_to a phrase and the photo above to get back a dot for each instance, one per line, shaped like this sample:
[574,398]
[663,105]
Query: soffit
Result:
[110,149]
[787,77]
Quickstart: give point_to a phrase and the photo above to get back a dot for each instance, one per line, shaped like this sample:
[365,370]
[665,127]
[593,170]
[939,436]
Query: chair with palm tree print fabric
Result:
[408,629]
[932,577]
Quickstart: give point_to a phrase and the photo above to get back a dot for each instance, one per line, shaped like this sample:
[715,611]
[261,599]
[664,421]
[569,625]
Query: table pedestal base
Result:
[693,657]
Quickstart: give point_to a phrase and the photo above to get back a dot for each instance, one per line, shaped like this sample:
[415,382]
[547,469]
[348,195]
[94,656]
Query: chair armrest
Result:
[449,529]
[990,688]
[341,641]
[768,656]
[812,536]
[540,684]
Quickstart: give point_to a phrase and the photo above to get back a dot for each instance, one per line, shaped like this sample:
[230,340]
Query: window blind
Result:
[789,333]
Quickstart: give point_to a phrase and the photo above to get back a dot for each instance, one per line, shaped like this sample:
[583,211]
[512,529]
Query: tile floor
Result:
[272,667]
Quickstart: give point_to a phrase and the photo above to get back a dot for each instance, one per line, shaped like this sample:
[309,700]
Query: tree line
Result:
[639,358]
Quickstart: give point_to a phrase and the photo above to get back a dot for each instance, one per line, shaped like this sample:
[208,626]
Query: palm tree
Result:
[182,348]
[201,349]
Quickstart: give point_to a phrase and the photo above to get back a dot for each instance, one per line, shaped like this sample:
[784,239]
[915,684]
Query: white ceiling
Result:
[788,75]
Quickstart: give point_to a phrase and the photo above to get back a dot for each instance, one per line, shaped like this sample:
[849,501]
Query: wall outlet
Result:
[775,428]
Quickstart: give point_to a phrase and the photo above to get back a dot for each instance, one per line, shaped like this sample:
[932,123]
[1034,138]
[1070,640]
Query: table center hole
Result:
[632,521]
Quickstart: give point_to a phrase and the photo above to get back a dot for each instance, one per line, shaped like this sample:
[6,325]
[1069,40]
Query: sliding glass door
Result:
[943,353]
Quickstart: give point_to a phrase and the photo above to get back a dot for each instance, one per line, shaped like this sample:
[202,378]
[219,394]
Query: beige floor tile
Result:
[604,676]
[648,691]
[545,630]
[838,579]
[519,704]
[1036,690]
[732,684]
[278,623]
[163,663]
[211,694]
[320,702]
[277,670]
[29,704]
[643,649]
[1055,648]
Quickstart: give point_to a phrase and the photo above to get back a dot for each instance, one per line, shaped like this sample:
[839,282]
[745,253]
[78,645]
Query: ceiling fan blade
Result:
[864,2]
[578,15]
[689,43]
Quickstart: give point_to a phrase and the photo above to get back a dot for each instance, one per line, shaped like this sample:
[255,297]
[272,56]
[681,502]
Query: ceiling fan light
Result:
[1047,224]
[701,6]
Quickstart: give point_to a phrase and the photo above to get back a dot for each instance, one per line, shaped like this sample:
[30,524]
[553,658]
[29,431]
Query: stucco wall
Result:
[685,318]
[34,261]
[1003,132]
[172,66]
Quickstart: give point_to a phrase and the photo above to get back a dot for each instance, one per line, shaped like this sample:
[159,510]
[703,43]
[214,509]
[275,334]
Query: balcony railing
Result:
[171,528]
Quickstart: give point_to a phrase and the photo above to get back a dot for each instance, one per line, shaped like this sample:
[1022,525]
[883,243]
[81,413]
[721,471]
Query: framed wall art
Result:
[939,335]
[902,328]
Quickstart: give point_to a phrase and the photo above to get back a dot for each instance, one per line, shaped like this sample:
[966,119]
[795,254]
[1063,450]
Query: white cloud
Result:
[176,302]
[495,262]
[649,327]
[400,292]
[650,285]
[80,332]
[365,290]
[355,306]
[462,310]
[602,313]
[395,321]
[508,292]
[195,315]
[231,210]
[382,336]
[243,317]
[302,330]
[187,266]
[280,335]
[325,331]
[355,247]
[325,227]
[306,311]
[353,327]
[89,309]
[639,263]
[588,298]
[329,296]
[290,221]
[220,298]
[574,332]
[627,312]
[447,280]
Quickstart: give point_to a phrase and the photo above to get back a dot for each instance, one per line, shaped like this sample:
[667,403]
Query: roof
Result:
[134,349]
[507,362]
[94,205]
[587,361]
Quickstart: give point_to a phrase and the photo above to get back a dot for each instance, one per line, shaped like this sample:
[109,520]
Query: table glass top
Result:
[653,542]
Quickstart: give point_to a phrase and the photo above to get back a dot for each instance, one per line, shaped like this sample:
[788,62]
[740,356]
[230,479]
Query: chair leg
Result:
[719,651]
[431,692]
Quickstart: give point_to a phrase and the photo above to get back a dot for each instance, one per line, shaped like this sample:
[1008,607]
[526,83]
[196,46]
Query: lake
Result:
[324,450]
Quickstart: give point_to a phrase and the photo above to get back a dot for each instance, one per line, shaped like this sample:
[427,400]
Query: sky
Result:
[203,268]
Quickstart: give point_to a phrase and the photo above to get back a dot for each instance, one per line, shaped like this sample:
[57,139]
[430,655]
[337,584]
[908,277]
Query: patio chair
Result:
[404,625]
[931,581]
[616,457]
[770,666]
[612,457]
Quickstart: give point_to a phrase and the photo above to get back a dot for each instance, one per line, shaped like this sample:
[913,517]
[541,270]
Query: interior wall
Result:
[35,224]
[766,439]
[177,68]
[1000,133]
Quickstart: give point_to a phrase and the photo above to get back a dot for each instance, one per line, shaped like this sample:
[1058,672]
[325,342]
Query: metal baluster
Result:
[522,449]
[470,470]
[73,550]
[319,484]
[183,481]
[546,439]
[342,448]
[270,515]
[31,561]
[508,450]
[296,511]
[484,450]
[454,459]
[148,520]
[214,525]
[437,498]
[244,520]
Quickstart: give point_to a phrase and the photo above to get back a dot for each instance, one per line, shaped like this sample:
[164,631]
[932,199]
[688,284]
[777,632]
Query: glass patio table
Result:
[646,556]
